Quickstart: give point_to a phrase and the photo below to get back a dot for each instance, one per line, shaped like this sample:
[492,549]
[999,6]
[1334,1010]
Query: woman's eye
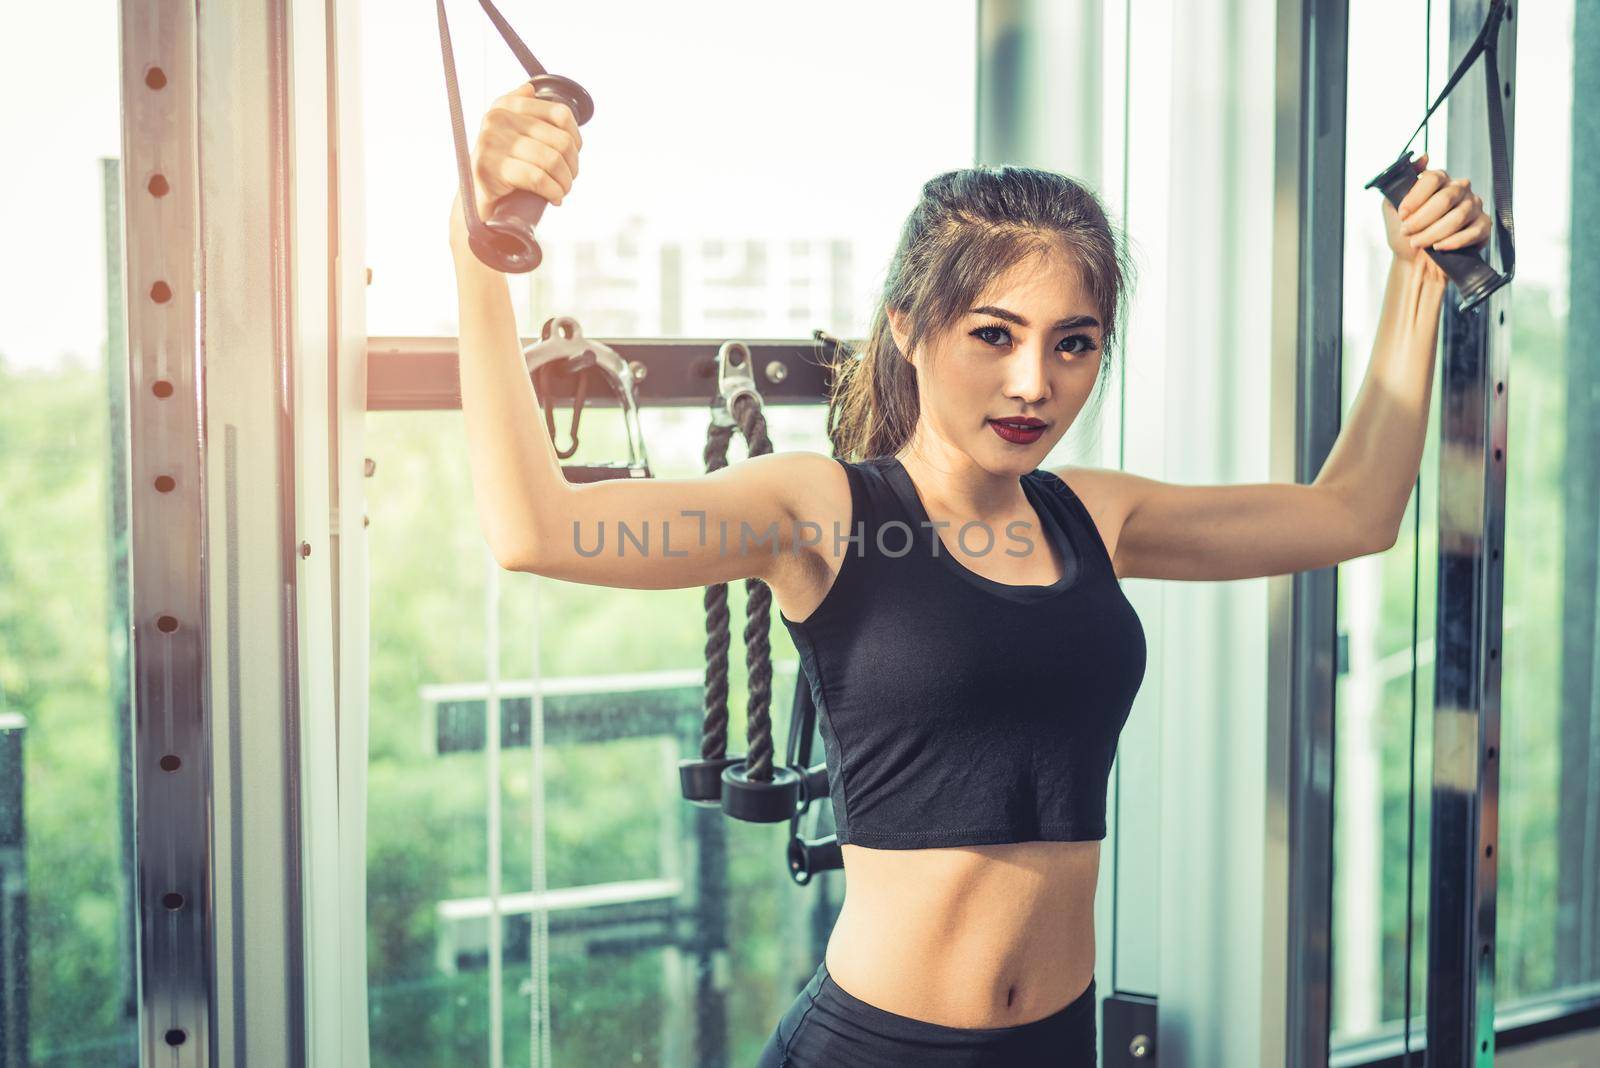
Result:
[984,333]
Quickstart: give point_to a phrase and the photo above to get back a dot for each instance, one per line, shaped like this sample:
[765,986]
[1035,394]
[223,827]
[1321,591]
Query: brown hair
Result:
[970,226]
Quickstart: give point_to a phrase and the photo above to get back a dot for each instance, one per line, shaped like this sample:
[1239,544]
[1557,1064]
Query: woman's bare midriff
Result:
[970,936]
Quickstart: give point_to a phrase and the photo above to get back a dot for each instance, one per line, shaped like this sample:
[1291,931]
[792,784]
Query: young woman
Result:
[959,617]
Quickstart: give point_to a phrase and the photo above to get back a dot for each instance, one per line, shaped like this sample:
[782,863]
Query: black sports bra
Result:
[956,710]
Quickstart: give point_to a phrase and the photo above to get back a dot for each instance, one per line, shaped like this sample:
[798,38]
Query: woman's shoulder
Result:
[1104,493]
[813,486]
[822,495]
[804,473]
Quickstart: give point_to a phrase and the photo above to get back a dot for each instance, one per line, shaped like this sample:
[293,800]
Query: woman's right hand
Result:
[523,143]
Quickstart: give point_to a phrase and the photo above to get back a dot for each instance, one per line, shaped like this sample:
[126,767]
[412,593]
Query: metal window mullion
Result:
[282,398]
[168,611]
[1312,637]
[1466,780]
[347,550]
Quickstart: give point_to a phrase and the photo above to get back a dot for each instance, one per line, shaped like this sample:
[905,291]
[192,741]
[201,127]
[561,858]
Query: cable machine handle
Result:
[505,242]
[1469,269]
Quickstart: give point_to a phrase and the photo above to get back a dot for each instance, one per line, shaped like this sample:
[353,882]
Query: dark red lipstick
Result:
[1018,430]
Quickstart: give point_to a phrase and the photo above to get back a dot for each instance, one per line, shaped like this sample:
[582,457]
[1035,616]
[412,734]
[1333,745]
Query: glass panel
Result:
[635,928]
[1384,691]
[67,993]
[1549,874]
[1548,920]
[745,172]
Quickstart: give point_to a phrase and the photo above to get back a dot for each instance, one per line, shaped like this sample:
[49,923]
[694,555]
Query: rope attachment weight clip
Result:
[735,379]
[563,350]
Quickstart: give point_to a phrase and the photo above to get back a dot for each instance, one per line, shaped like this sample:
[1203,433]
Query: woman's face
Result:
[1028,350]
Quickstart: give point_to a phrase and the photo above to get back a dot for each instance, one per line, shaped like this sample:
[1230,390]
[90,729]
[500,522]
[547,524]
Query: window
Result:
[67,993]
[1548,872]
[634,928]
[1547,929]
[1385,600]
[638,958]
[718,124]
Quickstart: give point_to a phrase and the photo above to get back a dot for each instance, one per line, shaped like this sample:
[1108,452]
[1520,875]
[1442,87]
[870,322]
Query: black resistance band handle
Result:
[1466,267]
[1469,269]
[506,241]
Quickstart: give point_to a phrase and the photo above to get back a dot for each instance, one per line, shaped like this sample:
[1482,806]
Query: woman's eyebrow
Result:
[1064,324]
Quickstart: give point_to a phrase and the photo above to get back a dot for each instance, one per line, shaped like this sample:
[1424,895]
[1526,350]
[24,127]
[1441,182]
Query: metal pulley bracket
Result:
[735,377]
[562,347]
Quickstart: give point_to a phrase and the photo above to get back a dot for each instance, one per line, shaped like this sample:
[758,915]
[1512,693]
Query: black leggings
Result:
[828,1026]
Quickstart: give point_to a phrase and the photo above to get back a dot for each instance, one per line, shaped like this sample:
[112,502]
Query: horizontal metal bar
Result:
[592,895]
[462,726]
[419,373]
[630,682]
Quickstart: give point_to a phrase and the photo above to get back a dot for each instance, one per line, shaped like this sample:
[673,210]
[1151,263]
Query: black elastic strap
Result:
[518,49]
[1487,43]
[469,200]
[1499,158]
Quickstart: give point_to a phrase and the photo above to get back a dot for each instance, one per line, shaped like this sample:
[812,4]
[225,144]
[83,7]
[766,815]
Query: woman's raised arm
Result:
[642,534]
[1355,504]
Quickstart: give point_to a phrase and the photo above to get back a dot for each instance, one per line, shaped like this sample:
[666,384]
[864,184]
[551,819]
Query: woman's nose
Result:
[1025,378]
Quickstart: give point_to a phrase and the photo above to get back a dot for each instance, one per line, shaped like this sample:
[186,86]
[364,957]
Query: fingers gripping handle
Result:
[1469,270]
[1465,267]
[506,241]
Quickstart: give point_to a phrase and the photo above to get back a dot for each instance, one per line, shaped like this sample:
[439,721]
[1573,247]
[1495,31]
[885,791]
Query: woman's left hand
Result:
[1439,212]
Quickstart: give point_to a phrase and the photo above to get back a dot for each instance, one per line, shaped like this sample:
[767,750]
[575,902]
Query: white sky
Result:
[747,120]
[819,120]
[58,117]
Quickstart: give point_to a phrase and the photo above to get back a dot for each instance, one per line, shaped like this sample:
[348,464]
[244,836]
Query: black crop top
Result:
[956,710]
